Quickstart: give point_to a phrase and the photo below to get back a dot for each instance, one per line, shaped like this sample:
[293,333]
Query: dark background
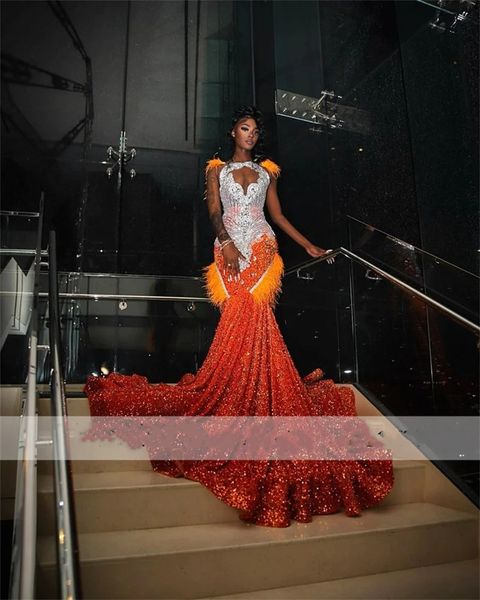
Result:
[188,65]
[171,73]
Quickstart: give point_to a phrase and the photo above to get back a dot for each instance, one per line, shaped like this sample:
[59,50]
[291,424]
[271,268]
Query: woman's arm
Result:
[214,205]
[275,211]
[230,252]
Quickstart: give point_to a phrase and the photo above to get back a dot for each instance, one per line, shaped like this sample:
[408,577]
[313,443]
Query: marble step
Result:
[444,581]
[112,501]
[225,558]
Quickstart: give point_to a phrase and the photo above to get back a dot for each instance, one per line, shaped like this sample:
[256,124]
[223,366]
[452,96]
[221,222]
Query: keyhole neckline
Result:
[249,184]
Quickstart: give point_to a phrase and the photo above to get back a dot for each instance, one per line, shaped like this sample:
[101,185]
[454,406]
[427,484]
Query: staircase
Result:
[145,535]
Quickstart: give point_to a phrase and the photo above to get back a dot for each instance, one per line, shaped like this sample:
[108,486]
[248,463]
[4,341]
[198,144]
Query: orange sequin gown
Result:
[249,371]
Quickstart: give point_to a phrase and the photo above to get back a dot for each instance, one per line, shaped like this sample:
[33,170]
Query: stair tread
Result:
[191,538]
[445,580]
[143,478]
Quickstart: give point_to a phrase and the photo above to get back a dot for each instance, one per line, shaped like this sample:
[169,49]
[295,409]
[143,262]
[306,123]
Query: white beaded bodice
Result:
[243,215]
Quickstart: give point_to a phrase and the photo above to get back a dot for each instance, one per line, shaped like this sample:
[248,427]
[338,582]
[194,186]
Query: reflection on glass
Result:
[451,285]
[160,339]
[407,357]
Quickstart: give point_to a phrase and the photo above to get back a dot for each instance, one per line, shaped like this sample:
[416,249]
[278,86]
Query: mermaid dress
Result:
[248,371]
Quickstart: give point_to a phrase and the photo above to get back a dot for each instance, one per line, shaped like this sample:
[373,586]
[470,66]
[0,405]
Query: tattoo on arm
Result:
[218,226]
[214,206]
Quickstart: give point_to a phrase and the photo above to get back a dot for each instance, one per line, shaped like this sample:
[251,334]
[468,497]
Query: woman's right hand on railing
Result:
[317,252]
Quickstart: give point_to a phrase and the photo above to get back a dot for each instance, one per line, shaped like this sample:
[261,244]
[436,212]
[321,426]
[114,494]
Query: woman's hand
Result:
[231,256]
[317,252]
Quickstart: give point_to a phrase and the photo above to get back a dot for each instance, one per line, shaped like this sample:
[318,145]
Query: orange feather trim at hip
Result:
[266,289]
[269,285]
[214,285]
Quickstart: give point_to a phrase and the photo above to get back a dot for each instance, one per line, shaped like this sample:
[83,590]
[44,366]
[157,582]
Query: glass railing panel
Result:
[454,352]
[410,359]
[391,340]
[160,339]
[310,318]
[144,285]
[455,287]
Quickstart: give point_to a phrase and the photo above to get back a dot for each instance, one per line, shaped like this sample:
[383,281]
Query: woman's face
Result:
[245,133]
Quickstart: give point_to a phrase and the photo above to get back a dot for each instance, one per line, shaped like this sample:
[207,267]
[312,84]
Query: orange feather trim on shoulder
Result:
[213,163]
[271,167]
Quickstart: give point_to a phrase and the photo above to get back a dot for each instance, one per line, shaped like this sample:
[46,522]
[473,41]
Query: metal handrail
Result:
[88,275]
[22,576]
[133,297]
[67,539]
[21,252]
[19,213]
[395,280]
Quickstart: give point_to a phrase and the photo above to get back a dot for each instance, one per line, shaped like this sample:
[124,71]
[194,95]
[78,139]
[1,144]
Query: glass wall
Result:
[396,183]
[166,73]
[405,158]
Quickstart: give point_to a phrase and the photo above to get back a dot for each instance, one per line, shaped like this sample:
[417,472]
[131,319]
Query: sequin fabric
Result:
[248,371]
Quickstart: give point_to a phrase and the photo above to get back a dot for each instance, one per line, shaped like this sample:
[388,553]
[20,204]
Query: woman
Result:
[248,370]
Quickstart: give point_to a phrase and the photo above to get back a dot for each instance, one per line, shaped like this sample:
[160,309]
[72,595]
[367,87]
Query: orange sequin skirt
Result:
[249,371]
